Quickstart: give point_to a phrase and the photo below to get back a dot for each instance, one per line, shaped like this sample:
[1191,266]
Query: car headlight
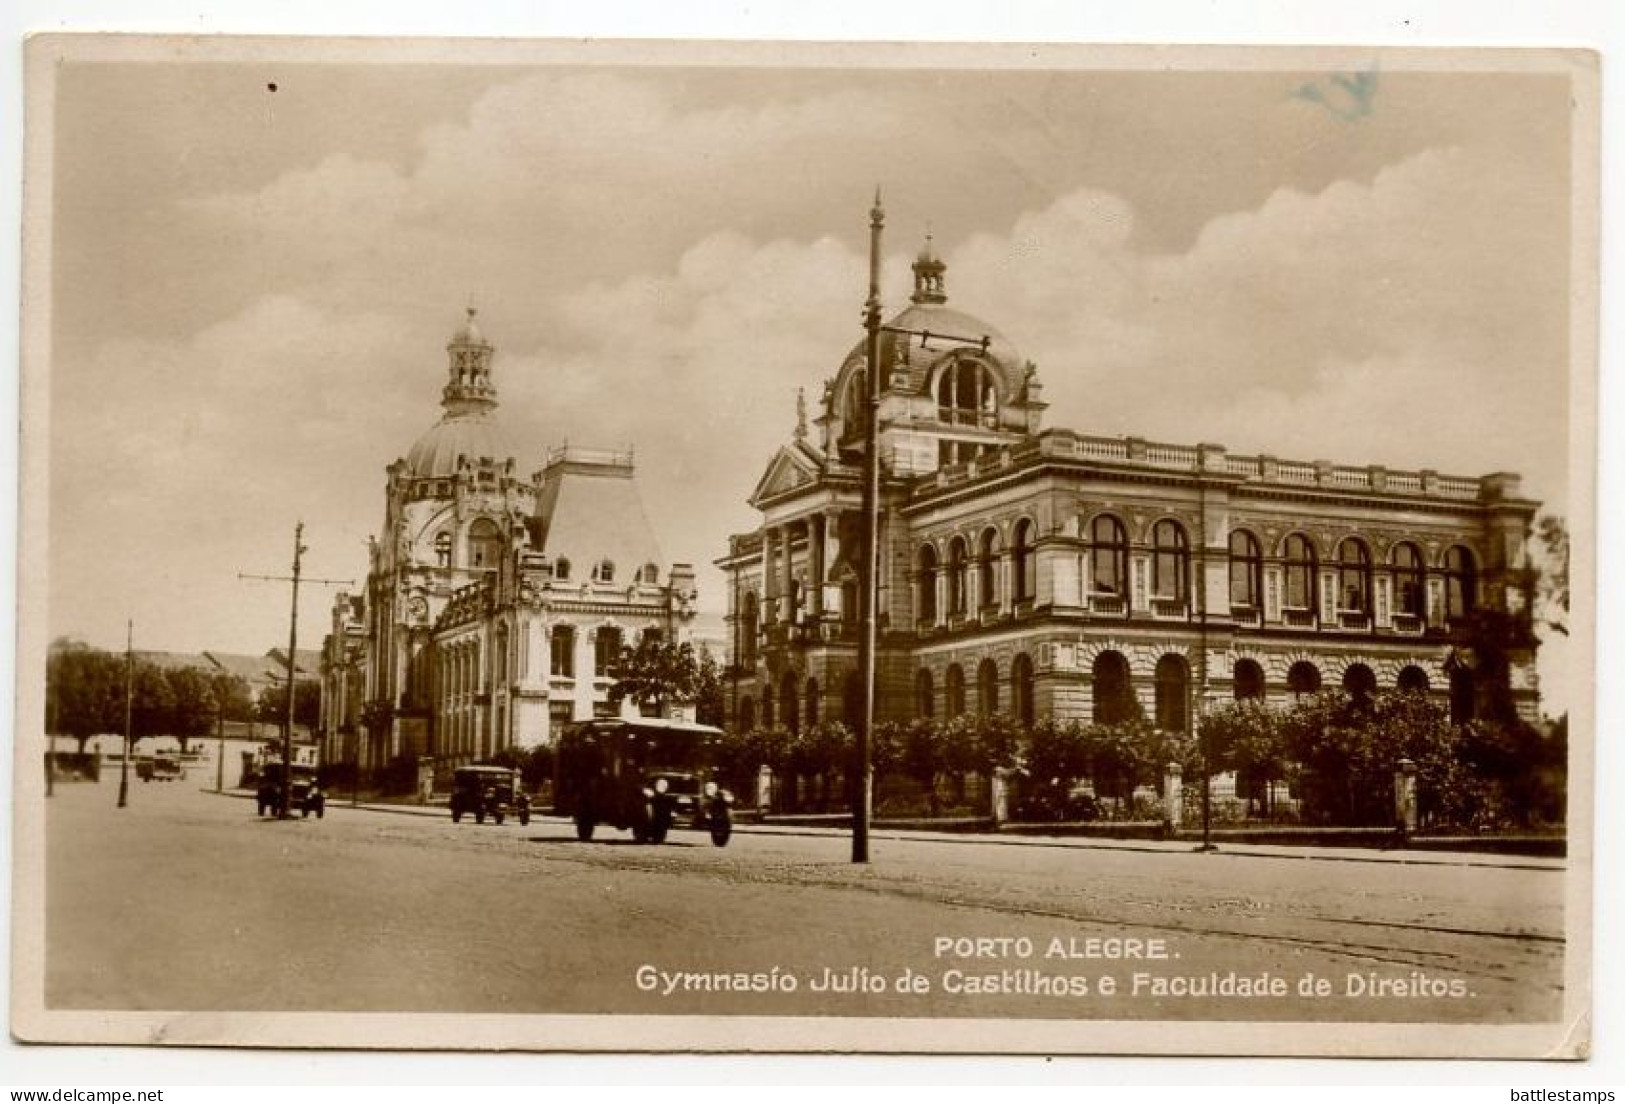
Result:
[710,789]
[661,785]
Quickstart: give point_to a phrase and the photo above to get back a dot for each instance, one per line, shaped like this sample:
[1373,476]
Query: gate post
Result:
[1173,789]
[1405,812]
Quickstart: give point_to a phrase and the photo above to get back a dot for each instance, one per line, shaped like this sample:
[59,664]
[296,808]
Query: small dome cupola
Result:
[929,270]
[468,356]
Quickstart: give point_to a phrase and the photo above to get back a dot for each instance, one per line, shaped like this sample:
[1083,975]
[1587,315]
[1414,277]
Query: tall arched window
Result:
[1249,680]
[562,651]
[927,575]
[484,544]
[1460,582]
[1113,694]
[788,700]
[1246,571]
[1303,679]
[987,568]
[442,549]
[1021,690]
[958,558]
[812,707]
[1300,573]
[1173,690]
[987,688]
[1353,577]
[966,395]
[750,627]
[1024,585]
[925,697]
[606,649]
[1108,542]
[954,688]
[1407,580]
[1170,562]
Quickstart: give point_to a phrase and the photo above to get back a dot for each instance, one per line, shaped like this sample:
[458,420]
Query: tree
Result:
[1552,574]
[307,704]
[192,704]
[1248,737]
[1053,758]
[232,699]
[710,699]
[656,674]
[84,689]
[152,707]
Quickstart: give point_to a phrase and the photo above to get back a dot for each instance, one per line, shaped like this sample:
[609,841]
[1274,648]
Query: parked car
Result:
[647,775]
[304,792]
[487,791]
[159,768]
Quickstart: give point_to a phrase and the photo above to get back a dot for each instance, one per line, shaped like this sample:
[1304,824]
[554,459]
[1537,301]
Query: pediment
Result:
[791,467]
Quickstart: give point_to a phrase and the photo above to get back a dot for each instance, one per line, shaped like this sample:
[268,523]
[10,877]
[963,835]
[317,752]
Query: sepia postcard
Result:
[786,547]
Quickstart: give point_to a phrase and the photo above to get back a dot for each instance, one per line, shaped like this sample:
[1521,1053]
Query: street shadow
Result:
[611,841]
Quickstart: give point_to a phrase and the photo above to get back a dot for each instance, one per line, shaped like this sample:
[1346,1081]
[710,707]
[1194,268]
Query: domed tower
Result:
[952,386]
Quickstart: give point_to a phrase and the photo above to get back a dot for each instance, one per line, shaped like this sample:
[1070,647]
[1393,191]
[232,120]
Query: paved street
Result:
[185,901]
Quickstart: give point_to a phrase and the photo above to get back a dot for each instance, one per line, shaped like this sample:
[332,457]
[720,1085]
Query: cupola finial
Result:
[929,272]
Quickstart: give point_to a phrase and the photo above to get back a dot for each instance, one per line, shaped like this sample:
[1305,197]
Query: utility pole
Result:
[869,575]
[129,714]
[299,549]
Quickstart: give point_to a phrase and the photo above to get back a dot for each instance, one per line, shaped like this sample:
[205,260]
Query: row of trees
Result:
[85,691]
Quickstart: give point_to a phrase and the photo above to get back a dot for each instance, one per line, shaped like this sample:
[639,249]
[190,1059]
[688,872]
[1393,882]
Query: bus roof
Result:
[647,724]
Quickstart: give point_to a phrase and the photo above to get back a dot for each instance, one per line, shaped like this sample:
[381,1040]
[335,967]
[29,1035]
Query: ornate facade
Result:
[496,602]
[1052,573]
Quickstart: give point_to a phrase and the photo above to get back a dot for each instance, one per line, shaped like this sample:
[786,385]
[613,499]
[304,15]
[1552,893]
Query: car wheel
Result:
[524,816]
[259,808]
[320,809]
[456,816]
[479,816]
[499,816]
[659,825]
[584,827]
[304,813]
[722,830]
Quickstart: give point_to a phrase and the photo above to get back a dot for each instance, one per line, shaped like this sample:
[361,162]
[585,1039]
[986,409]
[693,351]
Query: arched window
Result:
[1113,694]
[958,558]
[1407,580]
[1021,690]
[1170,562]
[1353,577]
[484,544]
[987,688]
[1173,691]
[750,627]
[747,714]
[1300,573]
[1023,585]
[1249,680]
[1246,571]
[1360,682]
[955,690]
[606,653]
[812,709]
[442,549]
[1109,544]
[987,568]
[561,569]
[1460,582]
[603,572]
[927,575]
[1303,679]
[966,395]
[925,698]
[788,700]
[767,707]
[1413,680]
[562,651]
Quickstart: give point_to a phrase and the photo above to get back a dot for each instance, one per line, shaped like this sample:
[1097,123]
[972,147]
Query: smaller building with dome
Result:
[498,597]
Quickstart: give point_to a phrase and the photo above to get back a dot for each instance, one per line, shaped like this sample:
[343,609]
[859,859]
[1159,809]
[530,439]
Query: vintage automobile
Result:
[488,791]
[159,768]
[304,793]
[646,774]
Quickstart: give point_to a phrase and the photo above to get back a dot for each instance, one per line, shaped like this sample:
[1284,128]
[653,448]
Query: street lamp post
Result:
[129,714]
[869,573]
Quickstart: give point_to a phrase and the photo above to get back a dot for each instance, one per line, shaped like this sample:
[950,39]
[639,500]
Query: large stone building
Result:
[1053,573]
[496,601]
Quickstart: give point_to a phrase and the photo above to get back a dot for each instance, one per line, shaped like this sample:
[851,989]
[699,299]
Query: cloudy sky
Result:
[251,289]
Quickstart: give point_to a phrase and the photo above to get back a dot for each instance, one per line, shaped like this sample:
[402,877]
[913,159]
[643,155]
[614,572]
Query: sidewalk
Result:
[1225,849]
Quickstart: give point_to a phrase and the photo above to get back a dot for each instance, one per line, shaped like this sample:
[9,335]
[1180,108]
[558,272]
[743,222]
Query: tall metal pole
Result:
[293,643]
[220,737]
[868,575]
[129,714]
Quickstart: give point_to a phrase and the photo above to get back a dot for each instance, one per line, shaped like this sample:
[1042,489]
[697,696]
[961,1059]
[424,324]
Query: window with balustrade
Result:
[1170,564]
[958,560]
[926,573]
[967,395]
[1024,584]
[562,651]
[1409,581]
[1299,567]
[1246,571]
[1353,578]
[1108,548]
[1460,582]
[987,568]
